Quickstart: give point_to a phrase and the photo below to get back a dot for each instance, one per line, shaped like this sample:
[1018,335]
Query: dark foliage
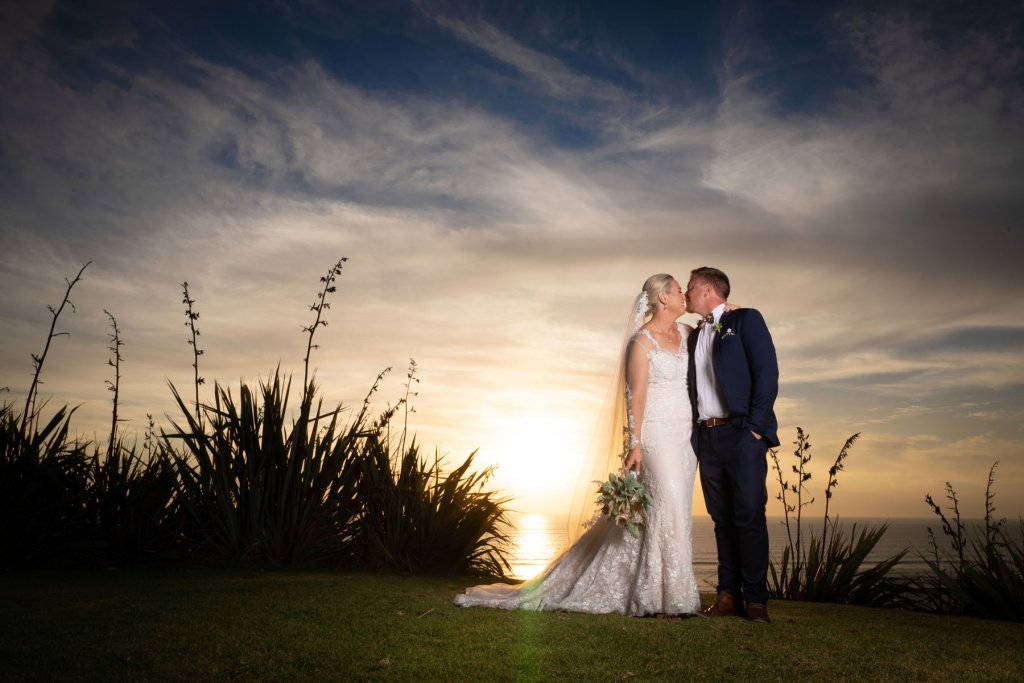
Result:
[43,491]
[241,481]
[979,574]
[829,565]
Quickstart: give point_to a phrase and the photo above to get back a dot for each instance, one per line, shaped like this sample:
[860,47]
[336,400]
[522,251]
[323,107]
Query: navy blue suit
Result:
[733,463]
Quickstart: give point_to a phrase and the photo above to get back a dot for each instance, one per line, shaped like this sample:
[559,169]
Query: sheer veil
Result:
[611,434]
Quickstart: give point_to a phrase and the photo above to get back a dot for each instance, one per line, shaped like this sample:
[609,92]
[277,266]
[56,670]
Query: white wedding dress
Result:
[607,570]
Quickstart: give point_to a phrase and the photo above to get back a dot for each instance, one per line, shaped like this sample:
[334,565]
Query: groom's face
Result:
[697,295]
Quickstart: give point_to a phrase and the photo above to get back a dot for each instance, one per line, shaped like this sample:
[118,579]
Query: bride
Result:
[606,569]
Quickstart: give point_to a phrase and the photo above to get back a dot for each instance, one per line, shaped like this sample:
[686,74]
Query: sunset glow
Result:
[538,457]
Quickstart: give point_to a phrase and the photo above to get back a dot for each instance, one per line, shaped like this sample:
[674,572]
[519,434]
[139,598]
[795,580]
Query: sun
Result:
[538,456]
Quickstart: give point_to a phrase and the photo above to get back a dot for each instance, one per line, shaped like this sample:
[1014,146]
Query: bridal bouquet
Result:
[625,500]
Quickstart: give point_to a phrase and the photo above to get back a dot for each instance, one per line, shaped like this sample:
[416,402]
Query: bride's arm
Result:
[636,400]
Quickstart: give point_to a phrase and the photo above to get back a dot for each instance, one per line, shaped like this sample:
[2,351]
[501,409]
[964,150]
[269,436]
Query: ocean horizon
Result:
[538,538]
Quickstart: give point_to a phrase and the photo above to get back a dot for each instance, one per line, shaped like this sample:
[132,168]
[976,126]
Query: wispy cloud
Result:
[546,71]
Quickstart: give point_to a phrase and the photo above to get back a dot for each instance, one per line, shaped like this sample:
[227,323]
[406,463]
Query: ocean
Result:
[538,538]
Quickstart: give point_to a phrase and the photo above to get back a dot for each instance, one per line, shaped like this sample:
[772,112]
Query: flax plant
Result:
[983,574]
[416,517]
[830,567]
[253,488]
[242,480]
[128,496]
[130,505]
[43,482]
[43,472]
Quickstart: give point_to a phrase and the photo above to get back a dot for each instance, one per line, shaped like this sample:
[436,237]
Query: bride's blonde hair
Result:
[655,286]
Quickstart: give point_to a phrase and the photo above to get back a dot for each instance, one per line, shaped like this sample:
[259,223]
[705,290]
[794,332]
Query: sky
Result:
[502,177]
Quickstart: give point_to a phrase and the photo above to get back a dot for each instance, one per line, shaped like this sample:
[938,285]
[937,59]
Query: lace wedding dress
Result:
[607,569]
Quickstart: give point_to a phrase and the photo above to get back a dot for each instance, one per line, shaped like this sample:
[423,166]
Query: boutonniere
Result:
[728,331]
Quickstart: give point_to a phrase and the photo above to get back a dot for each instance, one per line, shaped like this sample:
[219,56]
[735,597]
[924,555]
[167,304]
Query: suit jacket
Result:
[747,370]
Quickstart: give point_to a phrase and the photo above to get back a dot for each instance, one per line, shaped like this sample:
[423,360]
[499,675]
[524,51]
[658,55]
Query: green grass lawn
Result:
[203,624]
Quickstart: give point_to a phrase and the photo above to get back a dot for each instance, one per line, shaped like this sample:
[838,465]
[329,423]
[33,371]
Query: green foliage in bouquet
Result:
[626,501]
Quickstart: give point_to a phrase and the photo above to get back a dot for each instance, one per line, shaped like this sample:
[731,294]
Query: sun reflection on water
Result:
[537,540]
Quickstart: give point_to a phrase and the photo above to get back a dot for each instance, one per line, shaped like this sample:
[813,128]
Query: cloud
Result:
[871,142]
[873,232]
[549,72]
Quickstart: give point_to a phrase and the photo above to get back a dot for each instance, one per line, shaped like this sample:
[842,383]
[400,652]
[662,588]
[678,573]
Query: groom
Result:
[733,382]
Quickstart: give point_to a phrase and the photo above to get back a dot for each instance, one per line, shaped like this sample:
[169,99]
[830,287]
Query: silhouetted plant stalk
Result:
[192,316]
[833,479]
[795,549]
[364,412]
[829,568]
[149,440]
[319,307]
[803,455]
[29,414]
[410,379]
[781,495]
[114,386]
[954,530]
[992,525]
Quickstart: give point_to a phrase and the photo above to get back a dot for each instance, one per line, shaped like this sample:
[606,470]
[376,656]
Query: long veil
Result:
[611,435]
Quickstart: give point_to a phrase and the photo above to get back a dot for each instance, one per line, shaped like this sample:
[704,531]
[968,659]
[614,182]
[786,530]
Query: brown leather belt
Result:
[713,422]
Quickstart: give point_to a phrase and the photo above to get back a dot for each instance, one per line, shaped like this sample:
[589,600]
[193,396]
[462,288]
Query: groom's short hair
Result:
[718,280]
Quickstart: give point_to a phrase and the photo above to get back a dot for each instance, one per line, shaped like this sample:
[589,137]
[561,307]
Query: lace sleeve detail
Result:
[632,440]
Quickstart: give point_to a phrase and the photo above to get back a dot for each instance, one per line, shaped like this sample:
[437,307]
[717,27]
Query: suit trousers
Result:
[733,472]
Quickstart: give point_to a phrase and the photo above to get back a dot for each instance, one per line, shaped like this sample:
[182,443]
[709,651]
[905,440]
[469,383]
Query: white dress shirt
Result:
[710,402]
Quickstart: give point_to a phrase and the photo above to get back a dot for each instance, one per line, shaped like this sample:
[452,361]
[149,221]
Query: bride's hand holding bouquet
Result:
[624,499]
